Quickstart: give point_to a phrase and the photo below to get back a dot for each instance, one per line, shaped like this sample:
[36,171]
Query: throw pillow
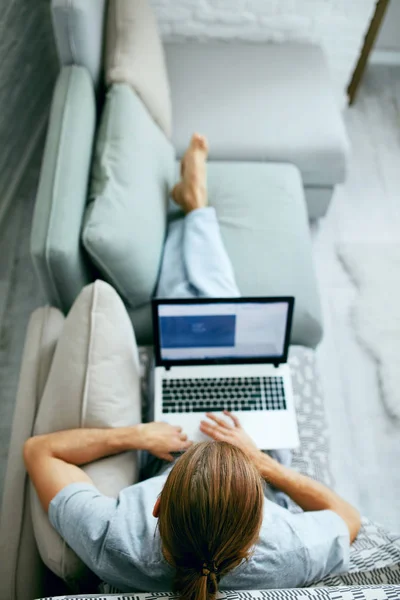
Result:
[133,172]
[135,55]
[97,341]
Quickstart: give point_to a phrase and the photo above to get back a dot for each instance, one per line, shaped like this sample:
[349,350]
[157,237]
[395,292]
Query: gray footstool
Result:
[264,224]
[263,219]
[262,103]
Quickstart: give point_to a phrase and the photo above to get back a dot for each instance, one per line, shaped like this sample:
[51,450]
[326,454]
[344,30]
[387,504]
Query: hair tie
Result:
[209,568]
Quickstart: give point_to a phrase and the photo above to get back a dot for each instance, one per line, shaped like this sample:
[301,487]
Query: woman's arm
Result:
[310,495]
[53,460]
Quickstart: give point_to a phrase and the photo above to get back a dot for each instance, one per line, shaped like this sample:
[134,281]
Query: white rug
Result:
[375,270]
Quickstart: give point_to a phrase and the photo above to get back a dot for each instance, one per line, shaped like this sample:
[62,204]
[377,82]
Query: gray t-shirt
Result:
[118,540]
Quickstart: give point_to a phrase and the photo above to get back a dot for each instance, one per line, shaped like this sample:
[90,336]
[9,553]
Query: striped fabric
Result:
[384,592]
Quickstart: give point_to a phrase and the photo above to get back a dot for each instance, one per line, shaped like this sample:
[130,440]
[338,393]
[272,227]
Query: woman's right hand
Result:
[222,430]
[161,439]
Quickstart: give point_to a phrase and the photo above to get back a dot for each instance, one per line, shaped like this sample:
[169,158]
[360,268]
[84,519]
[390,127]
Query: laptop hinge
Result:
[277,365]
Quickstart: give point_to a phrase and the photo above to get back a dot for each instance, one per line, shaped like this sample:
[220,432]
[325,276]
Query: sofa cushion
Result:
[79,26]
[263,220]
[96,342]
[133,172]
[291,114]
[135,55]
[60,260]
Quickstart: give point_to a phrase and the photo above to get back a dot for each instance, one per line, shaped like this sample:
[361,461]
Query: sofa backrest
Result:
[79,33]
[22,573]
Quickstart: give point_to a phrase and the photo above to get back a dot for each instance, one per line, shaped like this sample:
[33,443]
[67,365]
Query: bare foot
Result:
[191,192]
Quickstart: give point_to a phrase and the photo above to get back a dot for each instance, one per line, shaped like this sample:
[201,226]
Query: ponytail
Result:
[210,516]
[196,585]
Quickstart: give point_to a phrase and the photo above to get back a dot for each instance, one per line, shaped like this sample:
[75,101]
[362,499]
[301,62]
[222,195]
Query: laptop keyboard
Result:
[229,393]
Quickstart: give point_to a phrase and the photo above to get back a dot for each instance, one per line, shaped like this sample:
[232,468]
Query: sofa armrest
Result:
[79,32]
[22,573]
[60,260]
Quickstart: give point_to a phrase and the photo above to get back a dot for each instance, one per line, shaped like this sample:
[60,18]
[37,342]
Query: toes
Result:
[200,142]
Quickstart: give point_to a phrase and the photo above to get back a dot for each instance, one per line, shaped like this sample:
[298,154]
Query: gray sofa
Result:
[278,147]
[255,102]
[270,171]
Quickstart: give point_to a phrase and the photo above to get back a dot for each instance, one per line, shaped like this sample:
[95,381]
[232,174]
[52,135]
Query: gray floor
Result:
[365,443]
[365,446]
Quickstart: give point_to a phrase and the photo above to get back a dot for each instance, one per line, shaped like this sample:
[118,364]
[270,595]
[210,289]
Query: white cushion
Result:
[259,102]
[96,342]
[135,55]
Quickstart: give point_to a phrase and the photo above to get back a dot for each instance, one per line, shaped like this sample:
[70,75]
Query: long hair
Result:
[211,511]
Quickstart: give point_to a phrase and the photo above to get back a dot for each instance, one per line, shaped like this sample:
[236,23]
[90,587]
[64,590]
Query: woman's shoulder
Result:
[133,526]
[276,560]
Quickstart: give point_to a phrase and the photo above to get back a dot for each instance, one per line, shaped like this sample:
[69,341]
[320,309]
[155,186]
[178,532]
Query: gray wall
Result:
[389,37]
[28,67]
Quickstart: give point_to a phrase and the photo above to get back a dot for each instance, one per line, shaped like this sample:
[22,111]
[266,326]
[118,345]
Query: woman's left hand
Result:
[230,431]
[161,439]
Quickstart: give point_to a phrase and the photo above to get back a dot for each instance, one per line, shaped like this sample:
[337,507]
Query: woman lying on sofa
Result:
[215,526]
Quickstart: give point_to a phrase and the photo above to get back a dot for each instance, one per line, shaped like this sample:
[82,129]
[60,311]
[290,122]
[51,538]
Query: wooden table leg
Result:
[369,42]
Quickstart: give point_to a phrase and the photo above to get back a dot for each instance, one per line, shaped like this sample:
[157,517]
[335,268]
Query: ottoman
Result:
[262,103]
[264,225]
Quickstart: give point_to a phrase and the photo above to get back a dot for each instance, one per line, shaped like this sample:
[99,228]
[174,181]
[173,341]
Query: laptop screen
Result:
[222,331]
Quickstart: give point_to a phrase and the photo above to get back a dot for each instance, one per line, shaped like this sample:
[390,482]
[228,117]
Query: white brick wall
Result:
[338,26]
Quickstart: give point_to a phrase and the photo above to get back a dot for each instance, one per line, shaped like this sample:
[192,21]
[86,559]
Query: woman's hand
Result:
[161,439]
[223,431]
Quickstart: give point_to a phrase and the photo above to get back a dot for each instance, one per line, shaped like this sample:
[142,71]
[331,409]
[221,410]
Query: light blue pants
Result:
[196,265]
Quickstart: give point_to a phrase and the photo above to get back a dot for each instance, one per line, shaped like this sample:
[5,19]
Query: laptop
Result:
[228,353]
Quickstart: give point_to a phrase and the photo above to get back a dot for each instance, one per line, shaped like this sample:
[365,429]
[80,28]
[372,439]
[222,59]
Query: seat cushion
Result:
[259,102]
[135,55]
[96,342]
[133,172]
[263,219]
